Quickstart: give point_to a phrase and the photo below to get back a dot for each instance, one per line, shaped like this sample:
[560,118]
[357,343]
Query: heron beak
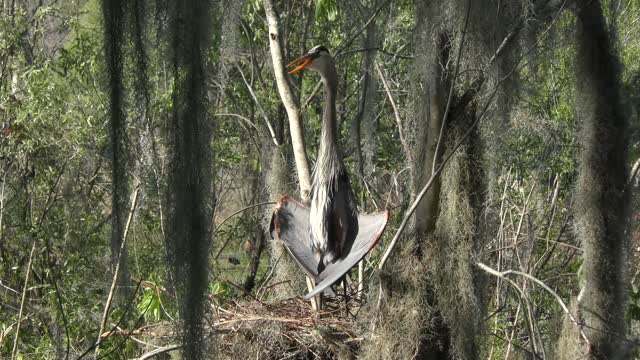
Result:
[302,63]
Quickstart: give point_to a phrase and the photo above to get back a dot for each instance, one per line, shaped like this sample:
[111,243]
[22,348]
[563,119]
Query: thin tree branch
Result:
[249,122]
[346,44]
[114,281]
[403,141]
[395,55]
[564,307]
[22,301]
[229,217]
[159,351]
[264,114]
[429,183]
[453,84]
[241,210]
[527,304]
[436,170]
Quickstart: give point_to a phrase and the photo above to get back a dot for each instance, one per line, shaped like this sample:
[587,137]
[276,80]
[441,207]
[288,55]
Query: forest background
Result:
[144,143]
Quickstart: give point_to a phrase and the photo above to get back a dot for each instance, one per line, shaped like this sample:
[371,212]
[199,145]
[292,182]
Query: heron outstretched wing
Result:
[290,224]
[371,227]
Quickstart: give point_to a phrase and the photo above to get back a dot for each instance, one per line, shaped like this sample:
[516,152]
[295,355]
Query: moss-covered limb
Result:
[114,19]
[189,190]
[600,197]
[601,211]
[454,246]
[398,314]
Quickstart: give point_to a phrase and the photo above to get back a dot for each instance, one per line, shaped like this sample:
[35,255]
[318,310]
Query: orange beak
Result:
[303,62]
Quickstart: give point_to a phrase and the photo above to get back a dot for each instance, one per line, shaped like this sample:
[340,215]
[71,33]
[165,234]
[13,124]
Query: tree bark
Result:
[367,149]
[277,181]
[601,211]
[114,13]
[291,103]
[427,210]
[190,191]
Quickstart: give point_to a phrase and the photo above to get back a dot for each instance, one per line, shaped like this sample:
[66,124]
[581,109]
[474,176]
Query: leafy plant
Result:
[326,10]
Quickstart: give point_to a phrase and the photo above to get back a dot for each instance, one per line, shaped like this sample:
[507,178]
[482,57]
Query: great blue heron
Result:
[328,238]
[333,218]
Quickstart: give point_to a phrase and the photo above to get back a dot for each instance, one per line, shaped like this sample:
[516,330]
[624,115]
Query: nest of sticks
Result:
[287,329]
[255,329]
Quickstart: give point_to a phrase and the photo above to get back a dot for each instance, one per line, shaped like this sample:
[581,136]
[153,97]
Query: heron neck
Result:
[329,134]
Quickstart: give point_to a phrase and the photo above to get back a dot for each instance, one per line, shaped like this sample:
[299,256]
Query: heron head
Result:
[317,59]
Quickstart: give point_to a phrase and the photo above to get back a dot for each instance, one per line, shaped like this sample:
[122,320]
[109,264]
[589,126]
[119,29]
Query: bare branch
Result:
[264,114]
[229,217]
[453,84]
[403,141]
[22,301]
[159,351]
[437,168]
[241,210]
[564,307]
[105,314]
[241,118]
[344,45]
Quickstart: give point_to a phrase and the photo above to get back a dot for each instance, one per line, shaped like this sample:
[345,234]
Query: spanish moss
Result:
[189,190]
[114,17]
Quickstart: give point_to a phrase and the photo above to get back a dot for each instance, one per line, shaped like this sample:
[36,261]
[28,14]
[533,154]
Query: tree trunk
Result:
[277,181]
[254,253]
[291,103]
[436,343]
[190,190]
[601,203]
[114,12]
[369,99]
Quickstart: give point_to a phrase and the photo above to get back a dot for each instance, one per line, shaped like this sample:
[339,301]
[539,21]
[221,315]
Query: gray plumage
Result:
[333,223]
[328,238]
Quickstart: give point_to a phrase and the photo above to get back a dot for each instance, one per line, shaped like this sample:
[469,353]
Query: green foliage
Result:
[326,10]
[220,289]
[57,182]
[633,310]
[150,305]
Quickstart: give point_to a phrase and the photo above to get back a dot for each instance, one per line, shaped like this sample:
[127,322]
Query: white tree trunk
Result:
[290,102]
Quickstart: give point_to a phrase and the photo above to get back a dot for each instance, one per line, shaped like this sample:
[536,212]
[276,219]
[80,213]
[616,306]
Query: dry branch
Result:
[159,351]
[275,330]
[503,275]
[429,183]
[436,168]
[105,314]
[341,48]
[22,301]
[264,114]
[396,113]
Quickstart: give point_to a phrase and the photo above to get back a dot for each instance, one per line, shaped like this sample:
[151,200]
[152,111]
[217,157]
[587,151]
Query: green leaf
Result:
[150,305]
[220,289]
[326,10]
